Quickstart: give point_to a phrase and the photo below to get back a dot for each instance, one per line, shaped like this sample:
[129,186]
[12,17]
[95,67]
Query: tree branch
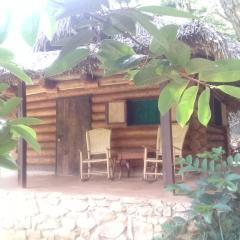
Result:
[98,18]
[194,80]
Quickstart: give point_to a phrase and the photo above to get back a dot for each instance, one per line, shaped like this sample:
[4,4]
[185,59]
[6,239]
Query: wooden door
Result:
[73,119]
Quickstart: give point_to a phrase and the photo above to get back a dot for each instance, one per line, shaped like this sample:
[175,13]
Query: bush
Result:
[11,128]
[215,208]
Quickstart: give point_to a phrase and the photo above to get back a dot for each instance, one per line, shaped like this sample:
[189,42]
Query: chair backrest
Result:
[159,143]
[178,135]
[98,140]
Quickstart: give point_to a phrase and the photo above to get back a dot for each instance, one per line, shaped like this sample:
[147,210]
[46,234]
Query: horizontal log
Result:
[45,153]
[41,97]
[37,89]
[47,120]
[151,127]
[134,134]
[76,85]
[114,81]
[216,129]
[98,108]
[98,116]
[125,95]
[98,124]
[45,145]
[47,112]
[131,143]
[217,137]
[42,161]
[50,128]
[46,137]
[42,104]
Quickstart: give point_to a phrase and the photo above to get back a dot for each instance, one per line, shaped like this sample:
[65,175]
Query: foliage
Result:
[188,81]
[11,129]
[214,213]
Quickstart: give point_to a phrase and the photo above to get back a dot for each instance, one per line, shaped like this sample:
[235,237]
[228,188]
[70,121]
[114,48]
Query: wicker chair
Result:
[178,134]
[98,150]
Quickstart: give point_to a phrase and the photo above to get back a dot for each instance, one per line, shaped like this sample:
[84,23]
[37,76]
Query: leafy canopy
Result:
[189,81]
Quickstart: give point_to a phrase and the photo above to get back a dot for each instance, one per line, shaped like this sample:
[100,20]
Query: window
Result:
[142,112]
[216,108]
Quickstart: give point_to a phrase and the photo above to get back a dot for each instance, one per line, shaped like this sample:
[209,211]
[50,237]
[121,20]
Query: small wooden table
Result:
[125,156]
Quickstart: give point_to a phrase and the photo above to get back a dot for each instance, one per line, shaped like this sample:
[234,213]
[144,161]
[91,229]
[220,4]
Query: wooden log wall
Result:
[41,103]
[200,138]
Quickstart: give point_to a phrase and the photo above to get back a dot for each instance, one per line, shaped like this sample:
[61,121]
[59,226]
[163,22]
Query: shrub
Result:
[11,128]
[215,208]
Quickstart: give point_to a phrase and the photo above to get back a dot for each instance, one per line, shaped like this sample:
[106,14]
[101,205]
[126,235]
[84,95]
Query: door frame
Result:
[56,141]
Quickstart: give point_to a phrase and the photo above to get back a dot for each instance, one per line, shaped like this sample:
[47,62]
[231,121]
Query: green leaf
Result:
[227,70]
[230,161]
[179,53]
[212,166]
[7,145]
[125,23]
[114,50]
[144,21]
[28,134]
[237,158]
[196,163]
[222,207]
[30,27]
[3,87]
[230,90]
[17,71]
[123,64]
[189,168]
[83,37]
[149,74]
[232,177]
[7,162]
[165,11]
[171,94]
[165,37]
[186,105]
[6,55]
[197,65]
[26,121]
[189,159]
[204,111]
[9,106]
[68,61]
[204,165]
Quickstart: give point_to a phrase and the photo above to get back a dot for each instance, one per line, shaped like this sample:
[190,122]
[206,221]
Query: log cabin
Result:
[78,100]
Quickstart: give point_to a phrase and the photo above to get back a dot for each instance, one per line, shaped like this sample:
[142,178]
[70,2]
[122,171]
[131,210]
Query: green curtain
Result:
[143,111]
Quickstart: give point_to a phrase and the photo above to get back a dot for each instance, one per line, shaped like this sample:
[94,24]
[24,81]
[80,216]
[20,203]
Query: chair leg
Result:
[144,168]
[108,169]
[156,166]
[81,166]
[113,167]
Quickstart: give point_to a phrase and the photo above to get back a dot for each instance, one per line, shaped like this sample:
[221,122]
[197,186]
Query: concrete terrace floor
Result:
[124,187]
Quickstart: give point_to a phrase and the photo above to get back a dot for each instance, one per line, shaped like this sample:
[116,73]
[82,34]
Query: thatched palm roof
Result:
[205,42]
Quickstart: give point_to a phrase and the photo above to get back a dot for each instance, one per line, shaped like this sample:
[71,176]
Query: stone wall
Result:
[29,215]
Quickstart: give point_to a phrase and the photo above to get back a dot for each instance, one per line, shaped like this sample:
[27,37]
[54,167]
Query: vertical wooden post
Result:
[22,145]
[167,149]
